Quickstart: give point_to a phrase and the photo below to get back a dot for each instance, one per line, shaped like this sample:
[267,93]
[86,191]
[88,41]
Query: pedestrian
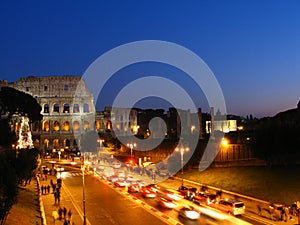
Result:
[271,210]
[60,212]
[55,196]
[55,216]
[48,188]
[65,212]
[70,214]
[282,213]
[42,189]
[58,197]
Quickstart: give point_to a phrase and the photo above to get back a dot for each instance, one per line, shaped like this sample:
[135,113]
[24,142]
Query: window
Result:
[86,108]
[45,88]
[66,87]
[56,126]
[27,88]
[46,108]
[56,107]
[45,126]
[76,108]
[66,126]
[66,108]
[76,126]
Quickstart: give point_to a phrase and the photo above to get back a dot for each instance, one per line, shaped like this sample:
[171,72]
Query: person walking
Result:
[42,189]
[48,188]
[65,213]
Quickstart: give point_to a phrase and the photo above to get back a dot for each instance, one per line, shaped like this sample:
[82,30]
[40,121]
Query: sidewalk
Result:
[65,201]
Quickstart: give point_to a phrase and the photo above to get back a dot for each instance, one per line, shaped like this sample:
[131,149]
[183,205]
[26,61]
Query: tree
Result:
[8,188]
[25,140]
[13,101]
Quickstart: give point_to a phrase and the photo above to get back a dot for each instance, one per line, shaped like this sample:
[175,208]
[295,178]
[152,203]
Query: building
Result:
[67,108]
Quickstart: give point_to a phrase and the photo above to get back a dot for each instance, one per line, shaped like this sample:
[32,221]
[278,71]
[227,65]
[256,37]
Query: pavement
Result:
[49,206]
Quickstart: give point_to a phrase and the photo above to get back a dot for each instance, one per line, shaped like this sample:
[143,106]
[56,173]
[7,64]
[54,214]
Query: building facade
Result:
[67,107]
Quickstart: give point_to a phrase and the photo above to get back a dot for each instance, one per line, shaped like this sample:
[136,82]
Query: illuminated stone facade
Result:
[67,108]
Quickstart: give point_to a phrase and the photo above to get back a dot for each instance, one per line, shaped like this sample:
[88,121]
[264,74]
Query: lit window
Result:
[66,108]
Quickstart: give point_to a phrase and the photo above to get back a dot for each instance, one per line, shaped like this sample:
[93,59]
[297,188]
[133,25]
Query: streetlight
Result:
[131,145]
[83,195]
[181,149]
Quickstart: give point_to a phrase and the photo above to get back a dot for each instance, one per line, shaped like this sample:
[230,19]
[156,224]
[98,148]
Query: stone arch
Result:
[45,126]
[86,108]
[76,108]
[56,126]
[66,126]
[56,143]
[46,108]
[86,125]
[56,107]
[76,126]
[66,108]
[46,144]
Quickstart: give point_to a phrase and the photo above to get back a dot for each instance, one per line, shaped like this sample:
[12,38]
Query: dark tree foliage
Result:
[25,164]
[14,101]
[8,187]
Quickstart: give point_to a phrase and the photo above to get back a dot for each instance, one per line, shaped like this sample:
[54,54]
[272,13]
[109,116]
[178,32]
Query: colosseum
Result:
[67,109]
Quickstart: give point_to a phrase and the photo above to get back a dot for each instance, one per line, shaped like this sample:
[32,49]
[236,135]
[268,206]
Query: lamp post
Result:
[182,150]
[83,195]
[131,145]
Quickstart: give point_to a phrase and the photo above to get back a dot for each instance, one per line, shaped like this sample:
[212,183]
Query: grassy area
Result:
[277,184]
[26,209]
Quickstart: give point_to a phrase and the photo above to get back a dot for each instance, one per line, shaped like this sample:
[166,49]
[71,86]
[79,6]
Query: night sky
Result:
[252,47]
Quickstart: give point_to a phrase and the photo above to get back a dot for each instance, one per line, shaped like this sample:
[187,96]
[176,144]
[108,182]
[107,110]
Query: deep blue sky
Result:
[252,47]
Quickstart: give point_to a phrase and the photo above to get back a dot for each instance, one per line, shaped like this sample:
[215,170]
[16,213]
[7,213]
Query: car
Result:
[148,192]
[153,187]
[231,206]
[112,178]
[116,165]
[166,203]
[170,194]
[188,192]
[205,198]
[129,178]
[133,188]
[189,212]
[120,183]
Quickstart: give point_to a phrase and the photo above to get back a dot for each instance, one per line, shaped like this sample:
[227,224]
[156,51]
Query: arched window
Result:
[56,143]
[46,144]
[97,125]
[56,126]
[45,126]
[56,107]
[66,126]
[37,143]
[36,126]
[76,108]
[67,143]
[86,108]
[66,108]
[46,108]
[76,126]
[86,125]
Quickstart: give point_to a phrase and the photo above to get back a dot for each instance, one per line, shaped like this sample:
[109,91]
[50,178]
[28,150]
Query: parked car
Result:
[205,198]
[189,212]
[188,192]
[231,206]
